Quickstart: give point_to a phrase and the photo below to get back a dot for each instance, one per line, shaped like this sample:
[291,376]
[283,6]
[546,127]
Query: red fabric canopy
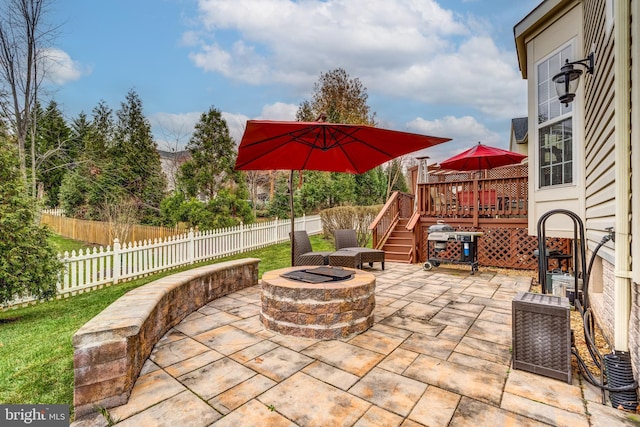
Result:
[481,157]
[273,145]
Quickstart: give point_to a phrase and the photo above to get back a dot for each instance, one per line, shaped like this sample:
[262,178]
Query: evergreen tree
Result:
[135,161]
[213,156]
[210,174]
[279,206]
[90,183]
[120,165]
[80,130]
[370,187]
[54,152]
[28,263]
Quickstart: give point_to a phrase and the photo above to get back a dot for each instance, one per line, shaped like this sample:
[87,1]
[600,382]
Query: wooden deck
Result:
[494,202]
[501,194]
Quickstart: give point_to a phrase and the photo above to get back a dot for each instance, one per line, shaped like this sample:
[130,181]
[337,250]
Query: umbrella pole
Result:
[293,218]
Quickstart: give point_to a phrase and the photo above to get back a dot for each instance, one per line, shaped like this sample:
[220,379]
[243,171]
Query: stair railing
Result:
[411,225]
[399,205]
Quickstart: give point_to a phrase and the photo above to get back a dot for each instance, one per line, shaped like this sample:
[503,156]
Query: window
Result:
[555,125]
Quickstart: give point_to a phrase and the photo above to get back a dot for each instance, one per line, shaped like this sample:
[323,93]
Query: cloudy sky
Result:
[444,68]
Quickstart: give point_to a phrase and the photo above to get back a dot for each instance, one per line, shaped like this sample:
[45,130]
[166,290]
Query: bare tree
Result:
[120,215]
[174,138]
[23,41]
[394,171]
[257,180]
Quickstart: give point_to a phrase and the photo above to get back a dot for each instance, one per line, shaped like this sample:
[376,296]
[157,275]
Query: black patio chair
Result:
[347,240]
[303,252]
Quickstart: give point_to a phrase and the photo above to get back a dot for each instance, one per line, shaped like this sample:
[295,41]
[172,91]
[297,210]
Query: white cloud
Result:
[278,111]
[60,68]
[463,131]
[172,131]
[402,48]
[236,124]
[189,38]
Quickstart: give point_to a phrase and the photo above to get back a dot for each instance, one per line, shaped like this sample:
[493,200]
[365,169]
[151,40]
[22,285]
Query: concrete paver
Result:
[436,407]
[390,391]
[184,409]
[348,357]
[216,377]
[241,394]
[376,417]
[438,354]
[308,401]
[279,363]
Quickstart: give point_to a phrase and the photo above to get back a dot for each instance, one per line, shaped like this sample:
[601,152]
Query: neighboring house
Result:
[171,162]
[580,155]
[519,140]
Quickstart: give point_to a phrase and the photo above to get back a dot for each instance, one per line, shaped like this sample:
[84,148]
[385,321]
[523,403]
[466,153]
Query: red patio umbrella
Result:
[481,157]
[322,146]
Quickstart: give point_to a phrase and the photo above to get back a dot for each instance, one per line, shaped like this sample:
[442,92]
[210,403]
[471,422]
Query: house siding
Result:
[599,132]
[599,173]
[608,128]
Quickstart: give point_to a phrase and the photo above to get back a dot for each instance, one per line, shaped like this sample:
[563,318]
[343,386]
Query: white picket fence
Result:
[54,211]
[101,266]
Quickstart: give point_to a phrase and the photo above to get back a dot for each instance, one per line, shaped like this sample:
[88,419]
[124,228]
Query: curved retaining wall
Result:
[111,348]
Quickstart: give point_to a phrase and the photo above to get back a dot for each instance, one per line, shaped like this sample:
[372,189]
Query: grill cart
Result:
[438,240]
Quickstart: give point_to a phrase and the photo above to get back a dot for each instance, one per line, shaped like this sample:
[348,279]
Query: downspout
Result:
[635,136]
[622,284]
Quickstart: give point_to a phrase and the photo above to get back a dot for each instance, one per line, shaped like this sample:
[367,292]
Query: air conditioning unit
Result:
[542,335]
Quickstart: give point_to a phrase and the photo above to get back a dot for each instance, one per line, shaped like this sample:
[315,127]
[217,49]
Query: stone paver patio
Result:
[439,354]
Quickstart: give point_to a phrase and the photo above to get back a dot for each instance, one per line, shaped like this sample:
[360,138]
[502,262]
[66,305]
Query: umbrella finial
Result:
[479,143]
[322,117]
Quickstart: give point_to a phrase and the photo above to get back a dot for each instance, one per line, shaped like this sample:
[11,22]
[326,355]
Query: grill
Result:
[438,240]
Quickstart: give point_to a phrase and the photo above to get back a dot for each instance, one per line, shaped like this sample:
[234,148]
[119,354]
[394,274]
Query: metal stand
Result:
[578,252]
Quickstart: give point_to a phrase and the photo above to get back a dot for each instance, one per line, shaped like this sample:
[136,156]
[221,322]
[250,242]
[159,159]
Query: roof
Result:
[530,24]
[173,155]
[520,126]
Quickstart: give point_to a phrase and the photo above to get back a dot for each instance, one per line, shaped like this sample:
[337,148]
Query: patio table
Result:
[345,258]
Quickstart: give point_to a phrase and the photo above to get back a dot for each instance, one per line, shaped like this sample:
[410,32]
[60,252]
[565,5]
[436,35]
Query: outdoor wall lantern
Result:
[567,79]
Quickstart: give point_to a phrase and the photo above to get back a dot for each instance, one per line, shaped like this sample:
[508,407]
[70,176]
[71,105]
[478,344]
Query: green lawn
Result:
[63,244]
[36,353]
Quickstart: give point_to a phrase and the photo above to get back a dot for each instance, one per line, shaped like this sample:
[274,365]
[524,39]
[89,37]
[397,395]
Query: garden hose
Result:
[617,365]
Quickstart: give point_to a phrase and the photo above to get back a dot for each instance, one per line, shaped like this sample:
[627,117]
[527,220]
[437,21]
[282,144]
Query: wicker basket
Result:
[542,335]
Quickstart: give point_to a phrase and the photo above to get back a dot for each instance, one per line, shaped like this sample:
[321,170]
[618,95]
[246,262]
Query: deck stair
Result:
[399,243]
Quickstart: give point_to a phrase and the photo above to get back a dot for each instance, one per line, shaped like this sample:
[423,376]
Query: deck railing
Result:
[504,197]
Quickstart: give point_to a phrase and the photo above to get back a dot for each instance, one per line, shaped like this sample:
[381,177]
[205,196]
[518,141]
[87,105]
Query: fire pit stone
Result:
[329,310]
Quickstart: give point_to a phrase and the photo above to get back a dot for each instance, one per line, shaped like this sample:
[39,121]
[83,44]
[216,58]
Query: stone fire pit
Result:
[325,311]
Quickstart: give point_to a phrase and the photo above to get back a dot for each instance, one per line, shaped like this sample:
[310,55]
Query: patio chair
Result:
[346,240]
[303,253]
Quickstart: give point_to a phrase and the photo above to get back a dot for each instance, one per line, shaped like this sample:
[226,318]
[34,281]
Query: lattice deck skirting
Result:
[500,247]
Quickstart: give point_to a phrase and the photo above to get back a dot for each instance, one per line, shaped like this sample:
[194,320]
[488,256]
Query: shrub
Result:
[28,263]
[344,217]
